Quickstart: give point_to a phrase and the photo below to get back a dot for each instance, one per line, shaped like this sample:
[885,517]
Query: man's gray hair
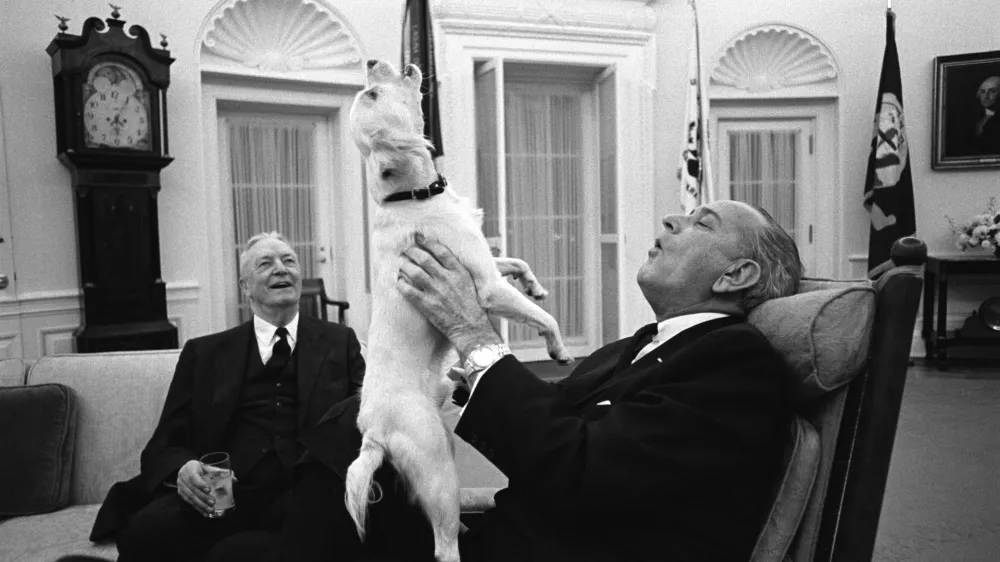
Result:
[245,254]
[775,252]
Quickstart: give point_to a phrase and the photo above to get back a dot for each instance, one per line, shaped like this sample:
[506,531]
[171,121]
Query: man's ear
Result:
[739,276]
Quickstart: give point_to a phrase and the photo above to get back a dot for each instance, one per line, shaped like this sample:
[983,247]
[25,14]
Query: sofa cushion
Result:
[823,334]
[38,432]
[11,372]
[120,396]
[45,538]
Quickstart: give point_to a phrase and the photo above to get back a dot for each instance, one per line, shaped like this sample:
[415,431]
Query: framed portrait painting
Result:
[966,105]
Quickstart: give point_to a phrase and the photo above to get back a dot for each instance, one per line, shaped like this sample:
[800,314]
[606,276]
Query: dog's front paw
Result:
[562,356]
[537,292]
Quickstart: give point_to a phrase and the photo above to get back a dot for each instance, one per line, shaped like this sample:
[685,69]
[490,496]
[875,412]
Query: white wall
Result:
[854,30]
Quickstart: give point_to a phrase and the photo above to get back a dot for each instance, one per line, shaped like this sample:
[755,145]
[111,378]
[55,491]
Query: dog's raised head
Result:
[387,125]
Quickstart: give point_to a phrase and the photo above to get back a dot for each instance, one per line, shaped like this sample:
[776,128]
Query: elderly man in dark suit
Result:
[248,391]
[662,446]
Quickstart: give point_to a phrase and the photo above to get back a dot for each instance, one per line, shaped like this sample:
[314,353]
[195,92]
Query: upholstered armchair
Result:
[848,343]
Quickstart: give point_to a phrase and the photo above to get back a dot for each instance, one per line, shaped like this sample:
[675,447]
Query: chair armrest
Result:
[477,500]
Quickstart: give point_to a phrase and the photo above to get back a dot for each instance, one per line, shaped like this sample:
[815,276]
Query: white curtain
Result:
[763,172]
[273,183]
[545,201]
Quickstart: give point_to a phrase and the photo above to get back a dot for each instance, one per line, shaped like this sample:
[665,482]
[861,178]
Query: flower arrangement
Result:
[981,230]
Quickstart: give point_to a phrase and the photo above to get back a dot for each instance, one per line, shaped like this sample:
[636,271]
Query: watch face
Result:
[115,108]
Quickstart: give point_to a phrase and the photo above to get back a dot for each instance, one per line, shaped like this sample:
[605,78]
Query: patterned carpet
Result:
[942,500]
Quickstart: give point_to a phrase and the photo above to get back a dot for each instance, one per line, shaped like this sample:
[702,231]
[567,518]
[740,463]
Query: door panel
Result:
[276,170]
[768,163]
[11,332]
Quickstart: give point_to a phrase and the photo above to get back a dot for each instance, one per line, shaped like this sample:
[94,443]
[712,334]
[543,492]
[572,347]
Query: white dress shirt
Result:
[673,326]
[266,337]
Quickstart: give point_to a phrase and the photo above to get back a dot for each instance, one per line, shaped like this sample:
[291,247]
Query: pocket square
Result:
[604,403]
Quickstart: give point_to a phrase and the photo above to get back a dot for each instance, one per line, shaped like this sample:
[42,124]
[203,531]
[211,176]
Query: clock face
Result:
[115,108]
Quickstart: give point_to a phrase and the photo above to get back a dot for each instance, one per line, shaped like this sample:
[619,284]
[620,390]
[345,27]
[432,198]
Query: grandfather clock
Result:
[111,132]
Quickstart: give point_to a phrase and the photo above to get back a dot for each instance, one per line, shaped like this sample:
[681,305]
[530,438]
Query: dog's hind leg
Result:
[521,271]
[430,475]
[503,299]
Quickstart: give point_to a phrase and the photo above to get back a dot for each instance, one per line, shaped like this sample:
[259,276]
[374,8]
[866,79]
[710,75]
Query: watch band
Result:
[484,356]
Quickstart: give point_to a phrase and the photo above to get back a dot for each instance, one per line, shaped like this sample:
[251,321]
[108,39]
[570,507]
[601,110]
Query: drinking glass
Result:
[219,476]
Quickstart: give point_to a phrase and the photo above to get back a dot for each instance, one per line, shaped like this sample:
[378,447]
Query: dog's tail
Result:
[360,484]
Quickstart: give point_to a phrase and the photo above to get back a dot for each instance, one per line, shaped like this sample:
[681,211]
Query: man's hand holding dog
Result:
[440,287]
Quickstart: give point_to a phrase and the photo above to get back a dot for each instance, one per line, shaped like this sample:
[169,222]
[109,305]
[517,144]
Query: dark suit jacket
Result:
[203,396]
[679,466]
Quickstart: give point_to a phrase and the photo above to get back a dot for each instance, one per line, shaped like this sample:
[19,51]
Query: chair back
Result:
[314,301]
[851,369]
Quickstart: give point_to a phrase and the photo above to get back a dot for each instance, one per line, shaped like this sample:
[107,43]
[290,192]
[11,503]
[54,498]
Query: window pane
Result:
[763,172]
[544,201]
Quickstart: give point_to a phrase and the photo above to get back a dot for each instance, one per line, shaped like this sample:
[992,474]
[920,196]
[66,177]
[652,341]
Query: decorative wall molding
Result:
[56,339]
[36,303]
[282,38]
[10,345]
[775,59]
[612,20]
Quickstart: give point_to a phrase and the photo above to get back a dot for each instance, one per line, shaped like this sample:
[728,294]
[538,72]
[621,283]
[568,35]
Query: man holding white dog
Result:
[662,446]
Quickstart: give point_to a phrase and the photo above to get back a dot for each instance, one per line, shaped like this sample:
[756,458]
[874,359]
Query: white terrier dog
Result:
[405,385]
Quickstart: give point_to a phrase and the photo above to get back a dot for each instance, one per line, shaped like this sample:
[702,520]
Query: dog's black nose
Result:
[372,62]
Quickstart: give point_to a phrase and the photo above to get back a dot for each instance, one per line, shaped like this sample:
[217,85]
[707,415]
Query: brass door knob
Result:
[4,281]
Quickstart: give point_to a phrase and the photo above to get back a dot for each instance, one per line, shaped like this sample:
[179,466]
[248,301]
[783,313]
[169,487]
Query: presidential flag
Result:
[418,49]
[888,184]
[695,166]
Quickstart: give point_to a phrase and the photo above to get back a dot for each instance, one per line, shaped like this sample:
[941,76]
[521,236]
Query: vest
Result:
[262,438]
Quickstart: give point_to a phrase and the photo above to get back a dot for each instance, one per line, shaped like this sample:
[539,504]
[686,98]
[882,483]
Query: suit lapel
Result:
[628,374]
[230,367]
[310,353]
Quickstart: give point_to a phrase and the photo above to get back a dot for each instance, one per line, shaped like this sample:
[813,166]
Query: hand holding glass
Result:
[218,475]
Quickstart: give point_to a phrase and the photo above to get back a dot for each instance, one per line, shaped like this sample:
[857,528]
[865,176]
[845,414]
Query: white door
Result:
[11,334]
[277,172]
[539,169]
[770,163]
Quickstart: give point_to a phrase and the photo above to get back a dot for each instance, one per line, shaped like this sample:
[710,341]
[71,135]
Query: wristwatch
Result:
[484,356]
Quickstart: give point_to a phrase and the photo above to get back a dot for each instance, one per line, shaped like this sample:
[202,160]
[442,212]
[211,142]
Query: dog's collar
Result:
[436,187]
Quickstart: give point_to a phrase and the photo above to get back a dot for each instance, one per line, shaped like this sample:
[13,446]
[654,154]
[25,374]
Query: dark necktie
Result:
[642,338]
[281,351]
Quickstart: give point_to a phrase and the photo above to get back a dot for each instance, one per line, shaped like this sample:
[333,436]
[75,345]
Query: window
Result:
[548,192]
[773,161]
[272,167]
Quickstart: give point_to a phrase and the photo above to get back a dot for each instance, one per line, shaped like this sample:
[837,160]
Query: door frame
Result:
[828,195]
[11,328]
[349,229]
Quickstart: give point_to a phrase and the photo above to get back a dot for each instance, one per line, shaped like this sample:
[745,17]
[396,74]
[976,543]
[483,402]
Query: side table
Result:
[939,271]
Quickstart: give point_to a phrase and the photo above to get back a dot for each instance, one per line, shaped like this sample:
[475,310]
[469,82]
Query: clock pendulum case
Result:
[111,132]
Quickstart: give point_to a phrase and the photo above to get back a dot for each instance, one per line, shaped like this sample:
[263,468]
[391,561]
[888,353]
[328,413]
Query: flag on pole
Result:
[888,184]
[696,163]
[418,49]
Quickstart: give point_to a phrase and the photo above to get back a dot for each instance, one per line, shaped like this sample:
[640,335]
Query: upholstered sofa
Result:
[846,341]
[101,425]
